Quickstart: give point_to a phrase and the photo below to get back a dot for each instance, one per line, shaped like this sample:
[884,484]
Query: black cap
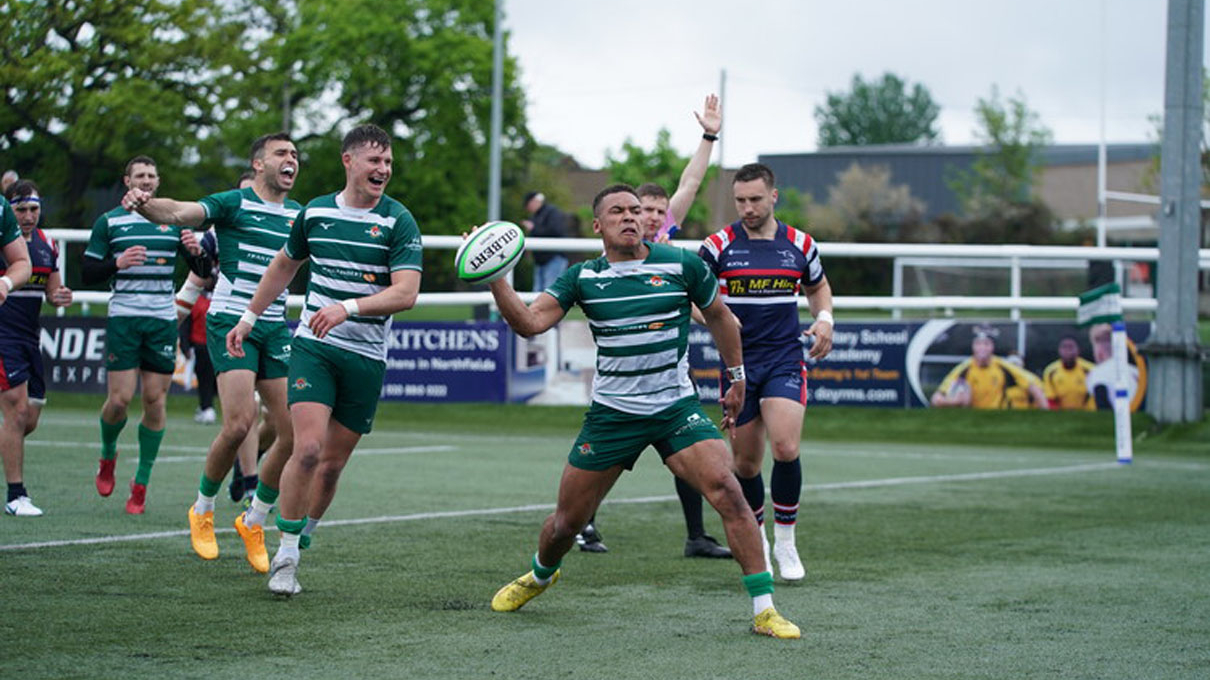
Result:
[529,195]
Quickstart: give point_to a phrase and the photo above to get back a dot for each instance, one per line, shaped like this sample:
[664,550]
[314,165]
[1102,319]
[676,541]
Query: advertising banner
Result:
[426,361]
[946,362]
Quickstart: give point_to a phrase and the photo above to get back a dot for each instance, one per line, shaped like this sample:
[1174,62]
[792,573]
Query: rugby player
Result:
[22,383]
[365,253]
[251,224]
[637,297]
[141,334]
[762,265]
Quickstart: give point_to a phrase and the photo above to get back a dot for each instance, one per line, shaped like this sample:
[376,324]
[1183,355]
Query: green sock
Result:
[266,493]
[208,487]
[109,438]
[291,526]
[149,448]
[544,573]
[759,584]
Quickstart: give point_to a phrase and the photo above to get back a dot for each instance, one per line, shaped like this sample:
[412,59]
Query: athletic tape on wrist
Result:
[736,373]
[249,317]
[8,282]
[825,315]
[351,306]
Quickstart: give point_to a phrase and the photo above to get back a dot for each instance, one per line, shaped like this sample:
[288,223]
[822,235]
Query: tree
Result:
[88,85]
[663,166]
[878,112]
[1007,171]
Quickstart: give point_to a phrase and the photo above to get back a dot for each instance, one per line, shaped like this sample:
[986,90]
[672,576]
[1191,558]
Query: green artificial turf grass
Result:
[925,560]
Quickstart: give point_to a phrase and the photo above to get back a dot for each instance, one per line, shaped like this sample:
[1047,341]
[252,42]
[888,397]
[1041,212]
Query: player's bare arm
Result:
[16,254]
[399,296]
[725,332]
[819,297]
[278,275]
[164,210]
[526,320]
[711,120]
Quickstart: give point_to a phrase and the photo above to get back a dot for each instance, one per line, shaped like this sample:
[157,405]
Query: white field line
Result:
[485,512]
[203,449]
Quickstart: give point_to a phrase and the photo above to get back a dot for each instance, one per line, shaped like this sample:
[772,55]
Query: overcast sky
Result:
[596,73]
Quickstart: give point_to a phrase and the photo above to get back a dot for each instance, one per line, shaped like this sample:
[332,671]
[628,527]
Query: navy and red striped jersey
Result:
[760,279]
[19,314]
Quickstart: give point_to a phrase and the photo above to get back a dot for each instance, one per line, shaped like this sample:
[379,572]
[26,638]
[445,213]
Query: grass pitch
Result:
[1019,551]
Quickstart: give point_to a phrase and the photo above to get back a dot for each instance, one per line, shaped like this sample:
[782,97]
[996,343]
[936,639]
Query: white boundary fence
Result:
[1015,257]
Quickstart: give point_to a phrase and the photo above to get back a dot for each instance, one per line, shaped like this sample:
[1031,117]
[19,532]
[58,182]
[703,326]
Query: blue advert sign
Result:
[458,361]
[864,368]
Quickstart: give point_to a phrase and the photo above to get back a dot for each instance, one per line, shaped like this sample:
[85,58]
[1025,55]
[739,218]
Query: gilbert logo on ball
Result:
[490,252]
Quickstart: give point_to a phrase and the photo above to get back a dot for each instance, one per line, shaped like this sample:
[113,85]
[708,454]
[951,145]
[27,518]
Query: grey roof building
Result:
[1068,182]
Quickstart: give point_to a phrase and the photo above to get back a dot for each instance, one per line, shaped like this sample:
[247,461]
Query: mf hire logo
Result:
[374,232]
[656,280]
[585,449]
[301,384]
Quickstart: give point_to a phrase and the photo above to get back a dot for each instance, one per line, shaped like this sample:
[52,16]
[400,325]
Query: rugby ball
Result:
[490,252]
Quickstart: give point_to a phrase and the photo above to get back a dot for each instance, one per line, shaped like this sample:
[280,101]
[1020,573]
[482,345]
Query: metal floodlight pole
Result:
[1102,207]
[497,129]
[1174,354]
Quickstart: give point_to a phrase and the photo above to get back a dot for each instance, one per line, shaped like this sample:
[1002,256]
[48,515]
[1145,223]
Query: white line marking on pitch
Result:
[203,449]
[483,512]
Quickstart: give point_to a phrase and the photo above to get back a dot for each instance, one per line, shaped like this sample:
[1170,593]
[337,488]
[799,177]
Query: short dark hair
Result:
[247,174]
[139,160]
[258,147]
[650,189]
[21,189]
[753,171]
[609,190]
[366,134]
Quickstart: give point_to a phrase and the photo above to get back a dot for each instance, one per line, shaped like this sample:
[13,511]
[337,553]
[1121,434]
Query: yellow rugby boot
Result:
[201,534]
[254,544]
[513,596]
[770,623]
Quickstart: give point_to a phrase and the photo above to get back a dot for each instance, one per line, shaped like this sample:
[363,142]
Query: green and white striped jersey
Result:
[638,311]
[250,231]
[147,289]
[9,229]
[353,252]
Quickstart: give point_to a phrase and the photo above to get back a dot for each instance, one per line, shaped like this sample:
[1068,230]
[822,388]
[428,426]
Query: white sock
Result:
[783,534]
[761,602]
[311,524]
[203,504]
[288,546]
[257,512]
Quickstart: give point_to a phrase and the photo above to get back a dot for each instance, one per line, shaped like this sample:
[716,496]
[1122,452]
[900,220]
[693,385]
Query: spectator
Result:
[547,222]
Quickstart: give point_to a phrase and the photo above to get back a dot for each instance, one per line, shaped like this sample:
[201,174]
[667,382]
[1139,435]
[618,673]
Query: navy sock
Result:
[754,492]
[691,505]
[786,487]
[250,482]
[15,491]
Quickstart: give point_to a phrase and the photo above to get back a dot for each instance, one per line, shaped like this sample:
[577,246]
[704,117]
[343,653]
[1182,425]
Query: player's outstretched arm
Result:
[16,254]
[526,320]
[711,120]
[725,332]
[819,297]
[277,276]
[164,210]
